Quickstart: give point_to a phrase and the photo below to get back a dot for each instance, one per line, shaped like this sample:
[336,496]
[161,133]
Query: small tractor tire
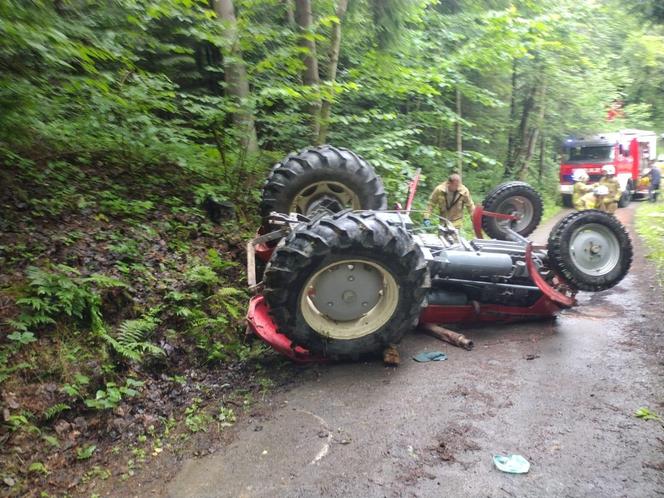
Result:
[346,285]
[512,198]
[590,249]
[322,179]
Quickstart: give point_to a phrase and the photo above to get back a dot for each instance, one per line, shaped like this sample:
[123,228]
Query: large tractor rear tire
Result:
[517,198]
[346,285]
[590,249]
[322,179]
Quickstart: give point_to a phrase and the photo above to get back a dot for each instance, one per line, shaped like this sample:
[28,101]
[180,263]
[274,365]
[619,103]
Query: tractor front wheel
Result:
[590,249]
[515,198]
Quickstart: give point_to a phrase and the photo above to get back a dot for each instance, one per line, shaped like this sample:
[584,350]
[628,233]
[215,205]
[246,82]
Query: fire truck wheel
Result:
[590,249]
[516,198]
[567,201]
[322,179]
[346,285]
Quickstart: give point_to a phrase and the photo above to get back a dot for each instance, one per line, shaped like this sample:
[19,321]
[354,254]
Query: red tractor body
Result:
[340,276]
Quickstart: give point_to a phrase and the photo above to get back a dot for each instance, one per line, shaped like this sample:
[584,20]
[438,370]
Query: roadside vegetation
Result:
[650,226]
[135,136]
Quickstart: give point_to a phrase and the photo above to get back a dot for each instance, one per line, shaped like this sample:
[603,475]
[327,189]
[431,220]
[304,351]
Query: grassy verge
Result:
[550,210]
[650,226]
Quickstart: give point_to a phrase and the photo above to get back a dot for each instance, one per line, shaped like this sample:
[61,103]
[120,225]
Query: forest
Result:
[122,294]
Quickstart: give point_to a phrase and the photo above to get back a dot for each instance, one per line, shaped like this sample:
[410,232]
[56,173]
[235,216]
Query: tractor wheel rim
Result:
[343,196]
[518,206]
[349,299]
[594,249]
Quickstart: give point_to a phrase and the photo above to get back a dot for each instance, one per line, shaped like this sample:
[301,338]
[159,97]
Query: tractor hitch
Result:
[479,213]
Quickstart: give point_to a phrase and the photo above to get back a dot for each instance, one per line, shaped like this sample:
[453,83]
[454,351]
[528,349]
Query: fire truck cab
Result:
[629,151]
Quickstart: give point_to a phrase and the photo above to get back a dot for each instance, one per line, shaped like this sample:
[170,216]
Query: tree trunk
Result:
[290,13]
[335,45]
[529,133]
[540,170]
[509,164]
[304,20]
[459,142]
[235,75]
[521,139]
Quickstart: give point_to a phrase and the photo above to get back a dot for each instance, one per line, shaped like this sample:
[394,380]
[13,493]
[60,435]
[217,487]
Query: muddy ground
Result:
[561,393]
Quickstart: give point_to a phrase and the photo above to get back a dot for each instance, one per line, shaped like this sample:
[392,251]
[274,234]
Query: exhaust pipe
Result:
[446,335]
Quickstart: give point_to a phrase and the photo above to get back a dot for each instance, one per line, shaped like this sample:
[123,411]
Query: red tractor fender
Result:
[261,324]
[554,295]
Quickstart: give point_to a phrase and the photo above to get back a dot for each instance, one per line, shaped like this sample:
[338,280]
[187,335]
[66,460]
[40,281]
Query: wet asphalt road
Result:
[560,393]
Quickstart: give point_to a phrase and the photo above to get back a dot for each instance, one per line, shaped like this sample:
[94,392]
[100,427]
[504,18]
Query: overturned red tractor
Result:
[343,277]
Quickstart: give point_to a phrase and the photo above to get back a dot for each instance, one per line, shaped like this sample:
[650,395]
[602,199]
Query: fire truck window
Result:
[591,153]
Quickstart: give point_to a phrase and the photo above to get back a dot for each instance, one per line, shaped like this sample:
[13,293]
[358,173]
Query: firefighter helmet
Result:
[580,175]
[601,190]
[609,169]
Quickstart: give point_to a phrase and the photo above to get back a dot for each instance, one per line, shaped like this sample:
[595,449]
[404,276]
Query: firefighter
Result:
[602,197]
[582,197]
[609,203]
[655,176]
[448,200]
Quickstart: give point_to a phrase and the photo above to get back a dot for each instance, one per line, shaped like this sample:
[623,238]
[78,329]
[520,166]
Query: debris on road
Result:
[444,452]
[646,413]
[430,356]
[532,356]
[512,464]
[391,356]
[447,335]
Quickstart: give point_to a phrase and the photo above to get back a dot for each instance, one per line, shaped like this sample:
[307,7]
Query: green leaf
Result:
[86,452]
[81,379]
[52,440]
[646,414]
[37,468]
[133,382]
[22,337]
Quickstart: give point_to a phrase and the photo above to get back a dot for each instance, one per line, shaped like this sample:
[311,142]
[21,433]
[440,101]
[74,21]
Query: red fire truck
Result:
[629,151]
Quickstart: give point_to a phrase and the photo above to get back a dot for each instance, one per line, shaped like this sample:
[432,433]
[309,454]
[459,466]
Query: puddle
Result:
[593,312]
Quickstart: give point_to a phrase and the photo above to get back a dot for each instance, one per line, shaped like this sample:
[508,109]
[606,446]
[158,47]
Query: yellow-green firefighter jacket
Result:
[450,206]
[613,186]
[580,189]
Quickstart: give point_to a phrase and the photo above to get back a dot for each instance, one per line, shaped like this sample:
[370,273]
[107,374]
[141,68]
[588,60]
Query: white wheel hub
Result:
[594,249]
[520,207]
[349,299]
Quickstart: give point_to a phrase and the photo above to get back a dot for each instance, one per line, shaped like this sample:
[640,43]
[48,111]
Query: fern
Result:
[53,411]
[228,297]
[183,312]
[229,291]
[132,341]
[59,291]
[201,276]
[129,354]
[135,331]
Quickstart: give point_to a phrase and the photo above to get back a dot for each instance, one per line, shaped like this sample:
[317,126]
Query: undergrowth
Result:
[111,290]
[650,226]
